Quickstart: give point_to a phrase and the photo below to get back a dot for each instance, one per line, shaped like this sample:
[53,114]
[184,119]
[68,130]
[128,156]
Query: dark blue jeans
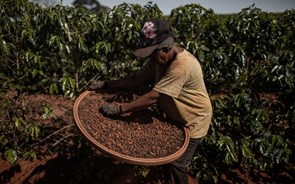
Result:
[178,168]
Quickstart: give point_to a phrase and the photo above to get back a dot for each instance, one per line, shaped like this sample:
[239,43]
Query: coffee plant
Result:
[247,58]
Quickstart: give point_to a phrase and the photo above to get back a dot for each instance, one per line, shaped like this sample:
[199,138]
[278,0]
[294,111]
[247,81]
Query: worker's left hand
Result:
[111,110]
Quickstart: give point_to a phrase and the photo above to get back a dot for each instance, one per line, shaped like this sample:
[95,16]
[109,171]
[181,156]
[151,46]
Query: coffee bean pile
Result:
[141,134]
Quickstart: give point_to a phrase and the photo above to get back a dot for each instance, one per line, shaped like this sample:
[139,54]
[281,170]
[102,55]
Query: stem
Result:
[64,137]
[16,54]
[51,135]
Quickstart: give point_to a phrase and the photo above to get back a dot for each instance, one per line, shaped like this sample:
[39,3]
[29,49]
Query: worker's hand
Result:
[97,85]
[111,110]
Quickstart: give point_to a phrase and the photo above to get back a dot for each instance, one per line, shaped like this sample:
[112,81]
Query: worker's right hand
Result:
[97,85]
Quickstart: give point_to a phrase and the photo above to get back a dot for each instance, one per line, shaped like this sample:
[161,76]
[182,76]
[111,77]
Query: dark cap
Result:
[153,33]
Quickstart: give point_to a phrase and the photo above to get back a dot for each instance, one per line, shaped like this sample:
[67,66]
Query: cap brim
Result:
[145,52]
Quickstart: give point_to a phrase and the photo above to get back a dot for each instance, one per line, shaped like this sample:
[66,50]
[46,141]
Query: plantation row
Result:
[248,62]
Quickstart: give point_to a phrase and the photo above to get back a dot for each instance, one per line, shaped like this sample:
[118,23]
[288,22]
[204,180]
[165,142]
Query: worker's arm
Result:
[142,102]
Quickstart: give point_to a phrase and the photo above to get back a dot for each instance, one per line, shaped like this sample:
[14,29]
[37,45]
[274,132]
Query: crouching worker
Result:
[179,89]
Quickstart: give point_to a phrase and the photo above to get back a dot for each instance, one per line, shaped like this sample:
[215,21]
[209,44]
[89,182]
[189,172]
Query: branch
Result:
[63,128]
[64,137]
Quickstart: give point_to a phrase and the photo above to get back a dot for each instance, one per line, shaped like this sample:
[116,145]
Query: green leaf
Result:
[3,46]
[33,130]
[17,122]
[246,151]
[227,143]
[53,89]
[34,73]
[10,155]
[30,155]
[47,112]
[3,140]
[68,49]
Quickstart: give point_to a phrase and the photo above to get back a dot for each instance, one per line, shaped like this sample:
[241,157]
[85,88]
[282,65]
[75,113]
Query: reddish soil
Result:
[141,134]
[70,159]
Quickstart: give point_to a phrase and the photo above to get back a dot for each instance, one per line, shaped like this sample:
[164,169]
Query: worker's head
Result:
[156,40]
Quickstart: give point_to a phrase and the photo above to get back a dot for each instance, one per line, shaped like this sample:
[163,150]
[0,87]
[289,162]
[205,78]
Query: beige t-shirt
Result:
[184,97]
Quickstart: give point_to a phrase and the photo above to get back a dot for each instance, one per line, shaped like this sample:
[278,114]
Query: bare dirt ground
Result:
[71,160]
